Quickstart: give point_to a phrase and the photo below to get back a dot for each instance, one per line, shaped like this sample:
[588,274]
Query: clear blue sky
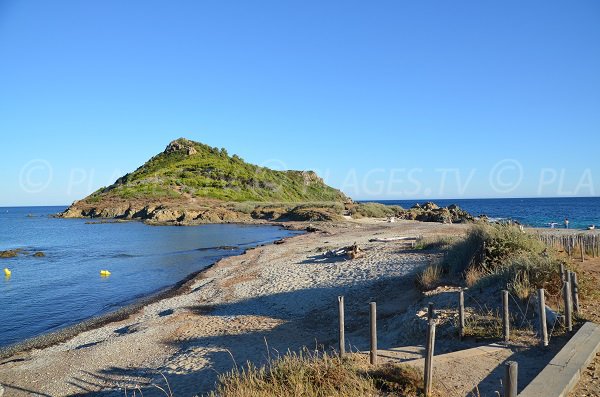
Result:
[385,99]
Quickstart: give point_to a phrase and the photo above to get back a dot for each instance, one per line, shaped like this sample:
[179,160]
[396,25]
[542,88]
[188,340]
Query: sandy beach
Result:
[244,308]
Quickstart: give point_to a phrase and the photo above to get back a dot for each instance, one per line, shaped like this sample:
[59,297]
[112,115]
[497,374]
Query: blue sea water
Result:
[65,287]
[538,212]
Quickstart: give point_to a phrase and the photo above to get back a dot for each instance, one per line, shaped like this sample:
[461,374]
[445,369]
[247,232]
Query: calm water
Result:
[65,287]
[537,212]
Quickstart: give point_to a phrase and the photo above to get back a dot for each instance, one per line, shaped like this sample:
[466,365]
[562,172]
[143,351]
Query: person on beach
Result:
[566,223]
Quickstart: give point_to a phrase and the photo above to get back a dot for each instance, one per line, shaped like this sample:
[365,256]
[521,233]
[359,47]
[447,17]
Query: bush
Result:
[506,256]
[429,278]
[435,243]
[489,246]
[311,374]
[374,210]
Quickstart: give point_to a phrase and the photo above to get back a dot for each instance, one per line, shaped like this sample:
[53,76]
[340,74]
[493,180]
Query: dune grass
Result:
[430,277]
[435,242]
[506,256]
[316,374]
[374,210]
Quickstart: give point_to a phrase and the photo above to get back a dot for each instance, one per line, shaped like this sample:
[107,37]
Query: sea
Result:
[581,212]
[64,287]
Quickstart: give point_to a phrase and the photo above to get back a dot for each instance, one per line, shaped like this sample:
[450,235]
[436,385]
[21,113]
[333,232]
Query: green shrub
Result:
[504,255]
[488,246]
[374,210]
[435,243]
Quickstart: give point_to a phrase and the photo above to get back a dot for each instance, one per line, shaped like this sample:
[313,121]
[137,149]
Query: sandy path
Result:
[282,294]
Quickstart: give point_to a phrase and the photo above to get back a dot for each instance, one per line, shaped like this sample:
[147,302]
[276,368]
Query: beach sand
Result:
[244,308]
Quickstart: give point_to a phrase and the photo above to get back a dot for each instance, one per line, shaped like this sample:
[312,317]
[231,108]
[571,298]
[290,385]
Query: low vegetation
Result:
[311,374]
[435,243]
[310,211]
[505,254]
[430,277]
[374,210]
[498,254]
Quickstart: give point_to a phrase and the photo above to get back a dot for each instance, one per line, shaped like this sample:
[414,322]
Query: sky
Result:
[385,100]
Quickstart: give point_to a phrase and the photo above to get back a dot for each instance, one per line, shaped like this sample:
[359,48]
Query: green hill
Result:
[190,182]
[193,169]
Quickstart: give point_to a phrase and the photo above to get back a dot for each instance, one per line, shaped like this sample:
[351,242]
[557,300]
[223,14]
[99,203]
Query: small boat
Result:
[592,227]
[7,272]
[104,273]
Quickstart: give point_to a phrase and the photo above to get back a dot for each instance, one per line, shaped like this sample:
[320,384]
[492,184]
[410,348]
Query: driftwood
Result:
[351,252]
[389,239]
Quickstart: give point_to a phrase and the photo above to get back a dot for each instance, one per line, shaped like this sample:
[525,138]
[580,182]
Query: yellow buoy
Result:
[7,272]
[104,273]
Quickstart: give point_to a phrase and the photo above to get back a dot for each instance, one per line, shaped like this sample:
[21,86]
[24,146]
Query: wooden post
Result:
[430,312]
[510,379]
[568,306]
[373,313]
[461,314]
[542,315]
[575,292]
[430,347]
[505,315]
[342,341]
[581,249]
[562,272]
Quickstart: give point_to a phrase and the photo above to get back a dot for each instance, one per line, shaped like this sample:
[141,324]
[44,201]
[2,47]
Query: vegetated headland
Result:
[192,183]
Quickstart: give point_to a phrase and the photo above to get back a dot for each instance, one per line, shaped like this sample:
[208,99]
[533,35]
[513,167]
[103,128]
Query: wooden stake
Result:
[568,304]
[373,318]
[461,314]
[342,344]
[505,315]
[575,292]
[510,379]
[542,315]
[430,347]
[430,312]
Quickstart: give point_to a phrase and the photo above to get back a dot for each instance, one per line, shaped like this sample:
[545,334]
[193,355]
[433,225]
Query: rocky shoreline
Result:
[193,212]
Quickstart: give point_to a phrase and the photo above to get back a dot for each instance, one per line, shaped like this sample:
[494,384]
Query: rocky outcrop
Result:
[190,213]
[10,253]
[181,145]
[431,212]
